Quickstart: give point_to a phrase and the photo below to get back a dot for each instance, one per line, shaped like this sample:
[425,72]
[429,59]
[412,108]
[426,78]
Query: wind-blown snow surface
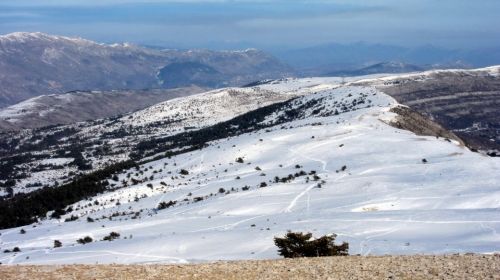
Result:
[373,190]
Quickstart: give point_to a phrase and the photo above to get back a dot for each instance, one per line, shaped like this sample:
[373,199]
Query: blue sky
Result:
[261,23]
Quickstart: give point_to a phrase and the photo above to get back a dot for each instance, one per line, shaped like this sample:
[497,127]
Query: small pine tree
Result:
[298,245]
[57,244]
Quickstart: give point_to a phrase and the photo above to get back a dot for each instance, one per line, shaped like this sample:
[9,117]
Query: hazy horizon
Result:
[222,24]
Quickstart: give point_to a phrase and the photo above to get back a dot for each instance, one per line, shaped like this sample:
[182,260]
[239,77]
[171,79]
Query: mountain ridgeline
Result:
[77,106]
[33,64]
[465,102]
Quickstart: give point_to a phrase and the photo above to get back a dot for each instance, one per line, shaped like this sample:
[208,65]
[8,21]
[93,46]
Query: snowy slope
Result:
[374,190]
[211,107]
[163,119]
[79,106]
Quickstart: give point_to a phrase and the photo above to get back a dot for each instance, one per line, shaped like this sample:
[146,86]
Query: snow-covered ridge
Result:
[26,36]
[492,70]
[12,112]
[208,108]
[383,190]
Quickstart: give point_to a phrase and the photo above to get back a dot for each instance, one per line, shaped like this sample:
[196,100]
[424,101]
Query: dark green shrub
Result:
[112,236]
[298,245]
[164,205]
[85,240]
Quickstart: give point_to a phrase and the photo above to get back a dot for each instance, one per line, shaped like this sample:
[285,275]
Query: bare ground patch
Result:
[352,267]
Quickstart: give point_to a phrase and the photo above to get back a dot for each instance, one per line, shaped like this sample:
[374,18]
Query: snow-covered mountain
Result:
[33,64]
[296,154]
[103,142]
[78,106]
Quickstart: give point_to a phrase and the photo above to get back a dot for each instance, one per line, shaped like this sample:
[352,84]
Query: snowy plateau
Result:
[335,166]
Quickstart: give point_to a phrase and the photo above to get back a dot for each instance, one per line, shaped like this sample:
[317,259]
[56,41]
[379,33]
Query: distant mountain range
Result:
[385,67]
[33,64]
[329,58]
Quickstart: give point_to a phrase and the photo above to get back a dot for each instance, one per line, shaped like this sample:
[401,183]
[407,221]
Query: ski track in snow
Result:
[295,199]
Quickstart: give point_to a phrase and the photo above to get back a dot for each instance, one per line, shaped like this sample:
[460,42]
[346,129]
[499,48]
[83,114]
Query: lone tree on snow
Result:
[298,245]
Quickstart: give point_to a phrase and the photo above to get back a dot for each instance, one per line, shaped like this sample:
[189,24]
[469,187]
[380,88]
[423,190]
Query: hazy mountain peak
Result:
[33,36]
[33,64]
